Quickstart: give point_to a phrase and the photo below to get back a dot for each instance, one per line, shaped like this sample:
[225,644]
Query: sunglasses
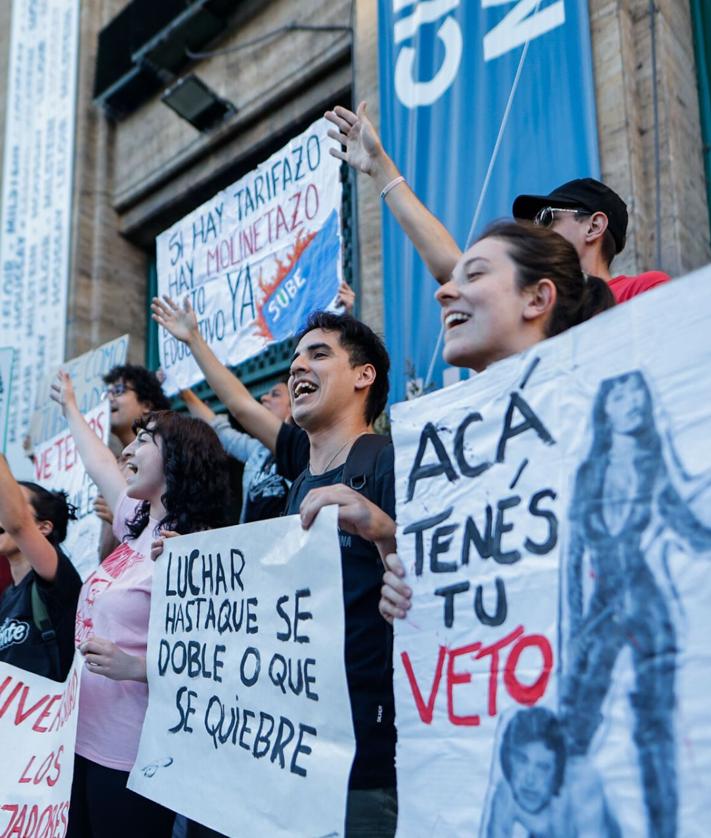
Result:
[546,215]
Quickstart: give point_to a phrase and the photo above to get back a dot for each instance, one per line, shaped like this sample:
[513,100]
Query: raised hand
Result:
[364,151]
[180,321]
[62,391]
[346,297]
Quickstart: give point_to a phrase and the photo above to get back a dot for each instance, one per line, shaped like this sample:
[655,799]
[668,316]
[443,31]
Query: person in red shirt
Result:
[587,213]
[593,219]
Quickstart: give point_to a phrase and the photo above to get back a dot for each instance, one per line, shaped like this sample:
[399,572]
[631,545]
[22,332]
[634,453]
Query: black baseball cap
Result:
[586,194]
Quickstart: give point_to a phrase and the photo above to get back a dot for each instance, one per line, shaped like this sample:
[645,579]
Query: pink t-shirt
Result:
[115,603]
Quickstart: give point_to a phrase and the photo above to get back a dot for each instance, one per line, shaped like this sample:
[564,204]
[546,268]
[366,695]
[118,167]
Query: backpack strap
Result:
[359,468]
[294,488]
[40,617]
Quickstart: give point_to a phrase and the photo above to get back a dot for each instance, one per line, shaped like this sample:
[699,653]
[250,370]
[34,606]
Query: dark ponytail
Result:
[540,253]
[597,297]
[51,506]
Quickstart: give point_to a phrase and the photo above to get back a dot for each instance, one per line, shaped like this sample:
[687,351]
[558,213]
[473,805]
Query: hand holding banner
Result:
[247,680]
[554,516]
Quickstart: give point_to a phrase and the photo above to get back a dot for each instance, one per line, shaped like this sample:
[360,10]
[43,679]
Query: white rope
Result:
[485,185]
[430,371]
[499,137]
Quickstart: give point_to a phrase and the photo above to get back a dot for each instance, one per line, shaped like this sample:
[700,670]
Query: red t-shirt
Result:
[626,287]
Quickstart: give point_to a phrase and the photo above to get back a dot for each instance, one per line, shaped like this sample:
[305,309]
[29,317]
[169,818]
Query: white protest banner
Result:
[7,357]
[59,466]
[36,203]
[38,721]
[257,258]
[247,681]
[87,372]
[554,517]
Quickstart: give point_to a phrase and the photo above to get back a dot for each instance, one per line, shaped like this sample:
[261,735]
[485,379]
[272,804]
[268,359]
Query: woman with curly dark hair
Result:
[176,481]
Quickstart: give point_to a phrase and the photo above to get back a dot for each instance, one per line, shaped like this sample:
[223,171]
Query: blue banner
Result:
[447,69]
[311,285]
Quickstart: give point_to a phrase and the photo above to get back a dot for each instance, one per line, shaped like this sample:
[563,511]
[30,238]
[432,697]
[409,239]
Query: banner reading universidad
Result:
[256,259]
[446,71]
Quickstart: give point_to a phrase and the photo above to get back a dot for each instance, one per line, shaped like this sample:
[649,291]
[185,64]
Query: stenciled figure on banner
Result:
[536,793]
[619,589]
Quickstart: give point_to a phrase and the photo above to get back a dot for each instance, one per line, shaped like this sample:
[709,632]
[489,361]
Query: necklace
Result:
[347,442]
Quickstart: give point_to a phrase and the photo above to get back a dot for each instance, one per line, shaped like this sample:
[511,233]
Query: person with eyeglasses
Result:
[587,213]
[133,392]
[593,218]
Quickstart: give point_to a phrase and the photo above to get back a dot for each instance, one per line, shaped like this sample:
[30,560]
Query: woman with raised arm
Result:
[176,482]
[516,285]
[38,609]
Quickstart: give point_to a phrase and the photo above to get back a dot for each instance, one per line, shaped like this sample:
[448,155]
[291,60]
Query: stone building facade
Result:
[136,175]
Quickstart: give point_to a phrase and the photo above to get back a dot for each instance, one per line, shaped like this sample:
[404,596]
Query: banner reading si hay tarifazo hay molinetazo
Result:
[257,258]
[554,515]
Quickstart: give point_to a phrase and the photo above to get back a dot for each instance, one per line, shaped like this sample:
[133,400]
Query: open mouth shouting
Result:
[303,388]
[455,318]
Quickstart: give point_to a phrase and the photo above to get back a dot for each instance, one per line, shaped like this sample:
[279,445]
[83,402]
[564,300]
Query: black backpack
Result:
[40,617]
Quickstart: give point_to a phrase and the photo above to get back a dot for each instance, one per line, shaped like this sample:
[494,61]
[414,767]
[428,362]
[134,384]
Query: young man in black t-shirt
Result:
[39,636]
[338,385]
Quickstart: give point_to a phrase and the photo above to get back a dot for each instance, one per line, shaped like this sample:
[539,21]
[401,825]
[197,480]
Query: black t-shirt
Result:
[21,642]
[368,636]
[292,451]
[266,495]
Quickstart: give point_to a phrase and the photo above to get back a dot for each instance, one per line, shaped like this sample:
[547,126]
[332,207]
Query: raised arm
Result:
[18,521]
[98,459]
[365,153]
[196,406]
[182,323]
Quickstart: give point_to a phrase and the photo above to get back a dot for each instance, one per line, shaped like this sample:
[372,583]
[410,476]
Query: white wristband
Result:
[390,186]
